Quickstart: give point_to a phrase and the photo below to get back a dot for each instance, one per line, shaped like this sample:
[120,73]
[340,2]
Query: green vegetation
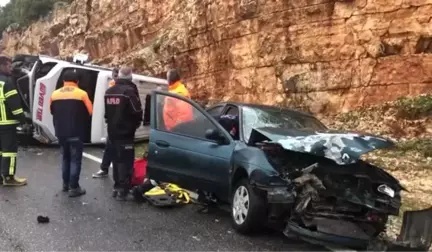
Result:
[422,146]
[25,12]
[414,108]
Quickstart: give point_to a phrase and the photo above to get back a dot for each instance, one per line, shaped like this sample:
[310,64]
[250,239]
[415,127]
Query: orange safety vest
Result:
[176,111]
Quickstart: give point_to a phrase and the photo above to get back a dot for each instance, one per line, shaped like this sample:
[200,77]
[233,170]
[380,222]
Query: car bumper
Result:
[415,235]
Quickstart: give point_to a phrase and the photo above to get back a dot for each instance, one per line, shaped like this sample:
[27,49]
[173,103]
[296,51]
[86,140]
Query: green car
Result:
[283,168]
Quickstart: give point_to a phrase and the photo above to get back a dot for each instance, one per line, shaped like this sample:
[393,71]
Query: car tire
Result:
[248,208]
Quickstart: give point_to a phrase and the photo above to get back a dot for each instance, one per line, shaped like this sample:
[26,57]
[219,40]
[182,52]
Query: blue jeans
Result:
[72,150]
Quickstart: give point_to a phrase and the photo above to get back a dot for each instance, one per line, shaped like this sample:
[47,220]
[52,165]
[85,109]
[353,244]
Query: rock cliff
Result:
[325,55]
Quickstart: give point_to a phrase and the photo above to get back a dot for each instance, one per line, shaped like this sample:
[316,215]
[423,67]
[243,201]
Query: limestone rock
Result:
[322,55]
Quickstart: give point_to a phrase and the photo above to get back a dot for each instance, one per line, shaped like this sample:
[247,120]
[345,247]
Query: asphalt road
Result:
[97,222]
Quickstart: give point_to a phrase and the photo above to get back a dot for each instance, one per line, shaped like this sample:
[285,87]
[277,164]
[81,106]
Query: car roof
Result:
[261,106]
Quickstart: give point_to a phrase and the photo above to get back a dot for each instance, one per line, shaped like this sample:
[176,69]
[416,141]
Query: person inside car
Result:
[231,124]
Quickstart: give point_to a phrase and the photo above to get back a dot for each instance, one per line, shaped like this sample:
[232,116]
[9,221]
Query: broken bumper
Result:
[415,235]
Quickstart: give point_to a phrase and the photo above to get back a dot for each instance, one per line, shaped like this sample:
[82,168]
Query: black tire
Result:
[256,211]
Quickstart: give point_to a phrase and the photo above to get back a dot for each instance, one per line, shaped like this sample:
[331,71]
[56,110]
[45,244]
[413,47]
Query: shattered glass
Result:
[277,118]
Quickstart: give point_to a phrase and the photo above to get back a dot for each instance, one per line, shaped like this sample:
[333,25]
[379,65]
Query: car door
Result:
[184,155]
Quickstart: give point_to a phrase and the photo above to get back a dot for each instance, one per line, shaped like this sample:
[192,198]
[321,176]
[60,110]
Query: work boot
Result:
[14,181]
[76,192]
[122,195]
[100,174]
[65,188]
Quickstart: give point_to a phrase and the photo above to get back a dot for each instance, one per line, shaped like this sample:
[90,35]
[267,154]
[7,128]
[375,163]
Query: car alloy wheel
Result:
[240,205]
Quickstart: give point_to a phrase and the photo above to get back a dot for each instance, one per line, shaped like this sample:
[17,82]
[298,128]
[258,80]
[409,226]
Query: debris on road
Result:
[43,219]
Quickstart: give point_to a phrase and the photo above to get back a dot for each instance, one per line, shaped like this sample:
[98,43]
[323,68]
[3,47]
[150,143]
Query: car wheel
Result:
[248,208]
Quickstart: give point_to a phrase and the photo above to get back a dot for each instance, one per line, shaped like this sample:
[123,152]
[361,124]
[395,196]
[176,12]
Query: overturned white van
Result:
[38,76]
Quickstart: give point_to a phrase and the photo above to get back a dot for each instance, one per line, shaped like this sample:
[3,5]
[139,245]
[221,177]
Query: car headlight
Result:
[385,189]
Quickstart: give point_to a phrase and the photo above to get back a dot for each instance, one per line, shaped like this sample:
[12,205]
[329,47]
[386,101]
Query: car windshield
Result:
[277,118]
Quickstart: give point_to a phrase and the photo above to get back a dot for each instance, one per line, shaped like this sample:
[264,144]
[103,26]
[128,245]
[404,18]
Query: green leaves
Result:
[25,12]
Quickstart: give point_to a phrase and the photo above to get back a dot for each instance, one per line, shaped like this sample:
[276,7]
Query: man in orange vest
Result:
[108,153]
[70,107]
[176,111]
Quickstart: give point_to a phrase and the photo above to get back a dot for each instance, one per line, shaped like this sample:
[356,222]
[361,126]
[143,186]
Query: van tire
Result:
[248,208]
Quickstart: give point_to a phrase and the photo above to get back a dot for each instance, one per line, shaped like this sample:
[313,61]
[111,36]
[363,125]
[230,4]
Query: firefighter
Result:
[11,115]
[71,107]
[176,111]
[123,114]
[108,153]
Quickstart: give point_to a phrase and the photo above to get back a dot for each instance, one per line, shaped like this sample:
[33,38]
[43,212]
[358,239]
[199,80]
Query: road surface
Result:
[97,222]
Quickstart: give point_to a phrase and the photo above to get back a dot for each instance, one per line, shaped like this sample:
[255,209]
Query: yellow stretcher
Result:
[167,195]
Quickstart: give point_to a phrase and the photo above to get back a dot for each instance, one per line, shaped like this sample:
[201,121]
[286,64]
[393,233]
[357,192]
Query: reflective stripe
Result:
[1,89]
[10,93]
[12,166]
[3,116]
[18,111]
[2,105]
[12,156]
[9,122]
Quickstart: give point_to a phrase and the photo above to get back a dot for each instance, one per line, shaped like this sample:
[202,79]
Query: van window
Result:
[87,80]
[44,69]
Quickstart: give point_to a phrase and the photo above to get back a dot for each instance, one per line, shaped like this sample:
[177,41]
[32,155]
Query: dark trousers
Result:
[123,163]
[8,152]
[72,150]
[108,155]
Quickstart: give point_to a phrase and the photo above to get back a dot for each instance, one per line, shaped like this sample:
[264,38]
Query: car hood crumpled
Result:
[341,147]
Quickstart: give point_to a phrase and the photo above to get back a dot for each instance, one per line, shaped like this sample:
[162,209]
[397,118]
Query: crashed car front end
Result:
[325,194]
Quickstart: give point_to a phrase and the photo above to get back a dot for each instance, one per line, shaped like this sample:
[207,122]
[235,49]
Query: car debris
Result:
[43,219]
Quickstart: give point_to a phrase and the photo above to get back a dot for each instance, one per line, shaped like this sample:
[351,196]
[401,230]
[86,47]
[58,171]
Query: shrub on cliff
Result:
[413,108]
[25,12]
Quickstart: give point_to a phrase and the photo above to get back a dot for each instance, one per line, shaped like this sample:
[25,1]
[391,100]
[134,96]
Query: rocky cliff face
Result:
[326,55]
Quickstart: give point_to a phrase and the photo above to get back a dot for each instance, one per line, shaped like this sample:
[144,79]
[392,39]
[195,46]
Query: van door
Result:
[24,77]
[41,114]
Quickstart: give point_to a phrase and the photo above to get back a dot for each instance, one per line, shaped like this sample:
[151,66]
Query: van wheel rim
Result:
[240,205]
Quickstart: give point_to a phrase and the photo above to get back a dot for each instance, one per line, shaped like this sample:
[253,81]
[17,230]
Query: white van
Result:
[38,76]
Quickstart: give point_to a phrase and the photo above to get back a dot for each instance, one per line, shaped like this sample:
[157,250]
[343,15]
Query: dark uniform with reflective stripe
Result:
[11,115]
[123,114]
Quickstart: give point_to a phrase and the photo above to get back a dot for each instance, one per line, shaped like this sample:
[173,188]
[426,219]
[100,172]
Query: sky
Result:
[3,2]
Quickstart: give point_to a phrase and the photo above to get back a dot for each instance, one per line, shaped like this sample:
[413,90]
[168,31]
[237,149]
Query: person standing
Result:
[11,115]
[108,152]
[174,110]
[70,107]
[123,114]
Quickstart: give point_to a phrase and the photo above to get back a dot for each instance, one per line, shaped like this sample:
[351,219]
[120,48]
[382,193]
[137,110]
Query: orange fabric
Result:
[71,91]
[111,83]
[176,111]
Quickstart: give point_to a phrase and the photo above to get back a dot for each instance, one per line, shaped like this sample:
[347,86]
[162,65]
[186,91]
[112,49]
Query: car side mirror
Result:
[216,135]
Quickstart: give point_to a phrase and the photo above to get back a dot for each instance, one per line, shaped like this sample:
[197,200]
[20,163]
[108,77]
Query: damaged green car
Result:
[286,169]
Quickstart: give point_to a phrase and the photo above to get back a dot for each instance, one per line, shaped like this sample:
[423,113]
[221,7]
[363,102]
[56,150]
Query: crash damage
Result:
[331,196]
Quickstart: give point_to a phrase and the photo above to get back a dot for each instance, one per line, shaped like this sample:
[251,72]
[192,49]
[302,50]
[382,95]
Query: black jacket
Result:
[11,111]
[123,110]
